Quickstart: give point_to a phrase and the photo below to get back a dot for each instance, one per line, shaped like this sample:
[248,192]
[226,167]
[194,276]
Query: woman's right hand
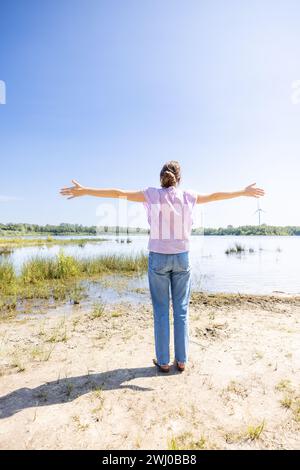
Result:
[74,191]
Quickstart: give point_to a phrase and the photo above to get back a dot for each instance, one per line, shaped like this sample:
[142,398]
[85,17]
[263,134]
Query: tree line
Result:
[245,230]
[78,229]
[64,229]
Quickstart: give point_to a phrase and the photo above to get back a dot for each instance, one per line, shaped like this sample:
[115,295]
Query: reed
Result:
[8,244]
[66,267]
[7,273]
[237,248]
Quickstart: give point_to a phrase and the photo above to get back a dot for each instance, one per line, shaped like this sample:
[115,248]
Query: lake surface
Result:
[274,265]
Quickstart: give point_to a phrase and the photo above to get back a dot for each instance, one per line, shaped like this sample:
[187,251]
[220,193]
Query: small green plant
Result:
[296,410]
[36,353]
[80,426]
[97,391]
[257,355]
[254,432]
[284,386]
[286,402]
[237,389]
[98,310]
[18,364]
[231,437]
[186,441]
[116,314]
[291,398]
[75,322]
[59,334]
[99,396]
[77,294]
[211,316]
[41,353]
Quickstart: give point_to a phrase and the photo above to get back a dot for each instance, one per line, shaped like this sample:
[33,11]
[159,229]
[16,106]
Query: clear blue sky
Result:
[104,91]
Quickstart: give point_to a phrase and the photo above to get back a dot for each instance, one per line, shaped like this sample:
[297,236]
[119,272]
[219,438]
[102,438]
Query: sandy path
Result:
[87,383]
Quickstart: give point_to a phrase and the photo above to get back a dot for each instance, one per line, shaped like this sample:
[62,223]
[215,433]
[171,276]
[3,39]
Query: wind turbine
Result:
[259,211]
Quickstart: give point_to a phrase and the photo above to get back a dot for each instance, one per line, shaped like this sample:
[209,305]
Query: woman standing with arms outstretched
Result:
[169,211]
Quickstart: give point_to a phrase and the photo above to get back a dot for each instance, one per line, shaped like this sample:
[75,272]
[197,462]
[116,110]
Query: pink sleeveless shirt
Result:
[169,212]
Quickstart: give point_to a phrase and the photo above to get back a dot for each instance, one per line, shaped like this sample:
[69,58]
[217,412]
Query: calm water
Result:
[273,266]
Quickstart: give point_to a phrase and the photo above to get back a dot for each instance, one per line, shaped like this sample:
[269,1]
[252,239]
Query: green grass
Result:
[66,267]
[58,278]
[59,334]
[284,386]
[113,263]
[7,273]
[76,294]
[40,353]
[17,363]
[41,269]
[186,441]
[98,310]
[254,432]
[286,402]
[290,399]
[237,388]
[8,244]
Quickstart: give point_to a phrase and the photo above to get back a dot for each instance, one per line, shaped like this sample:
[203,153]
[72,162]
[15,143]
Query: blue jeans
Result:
[170,273]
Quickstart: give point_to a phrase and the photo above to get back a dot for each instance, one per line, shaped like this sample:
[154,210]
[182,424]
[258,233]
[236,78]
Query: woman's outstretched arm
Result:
[249,191]
[79,190]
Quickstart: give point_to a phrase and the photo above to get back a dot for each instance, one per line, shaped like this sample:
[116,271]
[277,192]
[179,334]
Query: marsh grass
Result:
[64,267]
[58,278]
[113,263]
[77,294]
[237,248]
[7,273]
[42,269]
[8,244]
[5,250]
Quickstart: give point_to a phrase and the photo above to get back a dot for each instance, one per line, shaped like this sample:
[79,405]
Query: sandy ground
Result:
[81,383]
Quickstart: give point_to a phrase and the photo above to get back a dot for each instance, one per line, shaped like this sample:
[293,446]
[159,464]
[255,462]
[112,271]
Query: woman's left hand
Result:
[253,192]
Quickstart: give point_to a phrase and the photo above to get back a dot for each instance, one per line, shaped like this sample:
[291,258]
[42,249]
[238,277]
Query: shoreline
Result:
[89,377]
[73,299]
